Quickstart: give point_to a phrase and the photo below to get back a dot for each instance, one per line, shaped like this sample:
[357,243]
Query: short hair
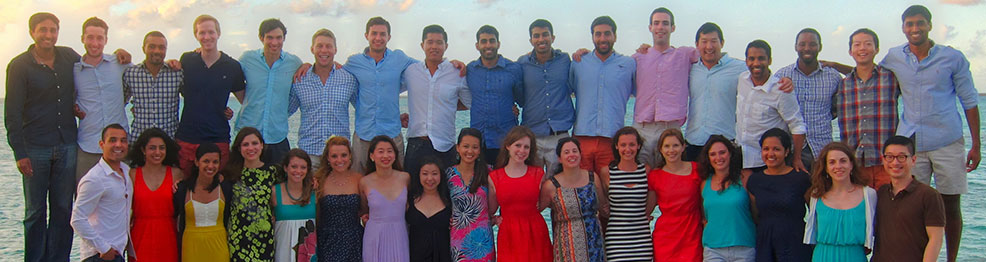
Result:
[759,43]
[540,23]
[602,20]
[659,10]
[270,24]
[323,32]
[876,40]
[202,19]
[111,126]
[488,29]
[900,141]
[809,30]
[377,21]
[37,18]
[434,29]
[709,27]
[154,34]
[916,10]
[780,134]
[95,21]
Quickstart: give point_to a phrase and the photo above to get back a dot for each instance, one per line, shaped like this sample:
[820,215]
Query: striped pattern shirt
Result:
[154,98]
[324,107]
[628,235]
[867,112]
[814,92]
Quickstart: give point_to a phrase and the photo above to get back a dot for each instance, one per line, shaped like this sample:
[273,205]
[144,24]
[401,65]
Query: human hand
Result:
[404,120]
[786,85]
[228,113]
[24,166]
[78,112]
[122,56]
[577,55]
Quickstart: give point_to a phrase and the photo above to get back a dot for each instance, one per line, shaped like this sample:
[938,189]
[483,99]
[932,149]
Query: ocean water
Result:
[12,199]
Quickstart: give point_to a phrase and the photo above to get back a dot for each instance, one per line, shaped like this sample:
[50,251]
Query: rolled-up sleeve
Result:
[787,107]
[964,87]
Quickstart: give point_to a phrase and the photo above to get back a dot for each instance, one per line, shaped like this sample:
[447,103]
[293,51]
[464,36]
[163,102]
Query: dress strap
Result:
[277,190]
[555,182]
[591,177]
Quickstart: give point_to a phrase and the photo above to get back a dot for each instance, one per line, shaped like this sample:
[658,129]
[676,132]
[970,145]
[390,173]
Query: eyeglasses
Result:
[900,158]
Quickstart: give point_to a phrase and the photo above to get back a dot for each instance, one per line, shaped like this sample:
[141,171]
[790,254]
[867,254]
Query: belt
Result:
[555,133]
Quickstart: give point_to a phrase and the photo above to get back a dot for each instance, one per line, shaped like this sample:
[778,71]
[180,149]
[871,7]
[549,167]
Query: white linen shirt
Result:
[101,214]
[432,101]
[760,108]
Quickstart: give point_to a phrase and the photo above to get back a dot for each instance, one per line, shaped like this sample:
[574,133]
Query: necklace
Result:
[336,180]
[289,193]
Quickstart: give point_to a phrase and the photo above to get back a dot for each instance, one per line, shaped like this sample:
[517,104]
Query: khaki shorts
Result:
[946,165]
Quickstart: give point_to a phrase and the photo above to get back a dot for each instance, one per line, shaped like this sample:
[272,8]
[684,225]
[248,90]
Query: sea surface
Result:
[12,199]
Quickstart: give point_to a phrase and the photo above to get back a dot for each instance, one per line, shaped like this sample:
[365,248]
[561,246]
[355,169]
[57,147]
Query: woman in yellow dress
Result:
[200,204]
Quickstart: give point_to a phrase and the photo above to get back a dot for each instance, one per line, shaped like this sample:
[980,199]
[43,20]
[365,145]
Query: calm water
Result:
[12,199]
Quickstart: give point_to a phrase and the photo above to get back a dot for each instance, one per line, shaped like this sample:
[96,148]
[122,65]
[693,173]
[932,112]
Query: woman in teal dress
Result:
[251,223]
[841,207]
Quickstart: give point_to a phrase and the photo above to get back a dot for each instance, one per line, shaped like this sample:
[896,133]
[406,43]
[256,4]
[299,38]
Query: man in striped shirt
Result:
[152,87]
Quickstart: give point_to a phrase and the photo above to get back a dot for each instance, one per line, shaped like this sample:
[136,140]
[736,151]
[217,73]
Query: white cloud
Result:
[962,2]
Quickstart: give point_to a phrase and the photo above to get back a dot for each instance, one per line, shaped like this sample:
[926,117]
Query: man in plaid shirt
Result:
[152,87]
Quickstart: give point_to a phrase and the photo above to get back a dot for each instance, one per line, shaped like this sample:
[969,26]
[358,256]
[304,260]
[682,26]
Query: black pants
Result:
[490,155]
[691,152]
[418,148]
[275,153]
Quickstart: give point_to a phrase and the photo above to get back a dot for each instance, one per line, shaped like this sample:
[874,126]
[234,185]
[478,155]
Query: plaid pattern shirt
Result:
[867,112]
[155,99]
[324,107]
[814,92]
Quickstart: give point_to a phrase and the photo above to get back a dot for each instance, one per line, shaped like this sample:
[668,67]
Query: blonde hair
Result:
[202,19]
[324,32]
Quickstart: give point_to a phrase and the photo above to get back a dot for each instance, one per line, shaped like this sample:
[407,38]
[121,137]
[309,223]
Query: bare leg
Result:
[953,225]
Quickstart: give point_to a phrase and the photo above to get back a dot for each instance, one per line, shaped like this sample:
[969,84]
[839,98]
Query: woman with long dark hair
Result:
[516,183]
[678,231]
[471,231]
[577,201]
[627,227]
[200,204]
[778,193]
[294,210]
[154,157]
[428,213]
[729,233]
[251,230]
[340,232]
[841,207]
[383,193]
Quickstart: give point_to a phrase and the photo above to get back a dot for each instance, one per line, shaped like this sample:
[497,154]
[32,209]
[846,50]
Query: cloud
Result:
[962,2]
[839,30]
[339,8]
[949,33]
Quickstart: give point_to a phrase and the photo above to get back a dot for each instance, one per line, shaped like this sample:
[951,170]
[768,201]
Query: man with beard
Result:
[152,87]
[814,86]
[603,82]
[760,106]
[495,83]
[548,109]
[101,214]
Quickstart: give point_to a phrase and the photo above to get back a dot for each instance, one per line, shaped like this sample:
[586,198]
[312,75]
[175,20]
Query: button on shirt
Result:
[867,112]
[432,101]
[265,105]
[929,89]
[378,96]
[99,93]
[712,100]
[760,108]
[324,107]
[662,84]
[547,96]
[206,92]
[494,90]
[154,98]
[814,93]
[101,214]
[602,89]
[39,101]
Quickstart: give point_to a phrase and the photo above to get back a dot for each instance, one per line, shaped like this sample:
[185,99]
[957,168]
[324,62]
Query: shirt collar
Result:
[931,52]
[855,75]
[107,170]
[107,58]
[366,53]
[766,87]
[555,54]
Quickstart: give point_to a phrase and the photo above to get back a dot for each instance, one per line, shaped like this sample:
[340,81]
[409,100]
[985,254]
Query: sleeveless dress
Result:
[385,238]
[205,235]
[471,231]
[294,230]
[781,207]
[429,236]
[678,231]
[575,221]
[628,230]
[841,233]
[153,233]
[251,229]
[523,234]
[340,232]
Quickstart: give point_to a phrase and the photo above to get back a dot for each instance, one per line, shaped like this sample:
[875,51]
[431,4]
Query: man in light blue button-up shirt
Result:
[547,102]
[268,72]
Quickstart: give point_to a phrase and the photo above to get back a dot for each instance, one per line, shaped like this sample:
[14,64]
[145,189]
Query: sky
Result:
[956,23]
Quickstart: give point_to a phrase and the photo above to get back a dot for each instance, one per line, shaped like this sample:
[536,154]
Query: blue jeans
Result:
[50,188]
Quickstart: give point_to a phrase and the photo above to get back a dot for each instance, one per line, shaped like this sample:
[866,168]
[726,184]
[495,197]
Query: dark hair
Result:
[136,154]
[916,10]
[562,142]
[660,10]
[781,135]
[900,141]
[324,168]
[306,185]
[38,18]
[415,189]
[706,171]
[709,27]
[821,181]
[809,30]
[434,29]
[625,131]
[154,34]
[102,136]
[234,166]
[517,133]
[488,29]
[270,24]
[480,169]
[95,21]
[602,20]
[759,43]
[377,21]
[200,151]
[876,40]
[540,23]
[372,167]
[670,132]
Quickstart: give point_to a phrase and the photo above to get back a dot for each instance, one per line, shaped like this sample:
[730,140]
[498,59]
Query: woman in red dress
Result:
[678,231]
[516,185]
[154,235]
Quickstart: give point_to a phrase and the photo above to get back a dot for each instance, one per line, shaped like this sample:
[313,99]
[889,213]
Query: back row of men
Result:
[717,94]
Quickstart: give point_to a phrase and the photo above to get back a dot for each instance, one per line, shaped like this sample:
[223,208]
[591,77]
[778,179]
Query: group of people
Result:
[741,162]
